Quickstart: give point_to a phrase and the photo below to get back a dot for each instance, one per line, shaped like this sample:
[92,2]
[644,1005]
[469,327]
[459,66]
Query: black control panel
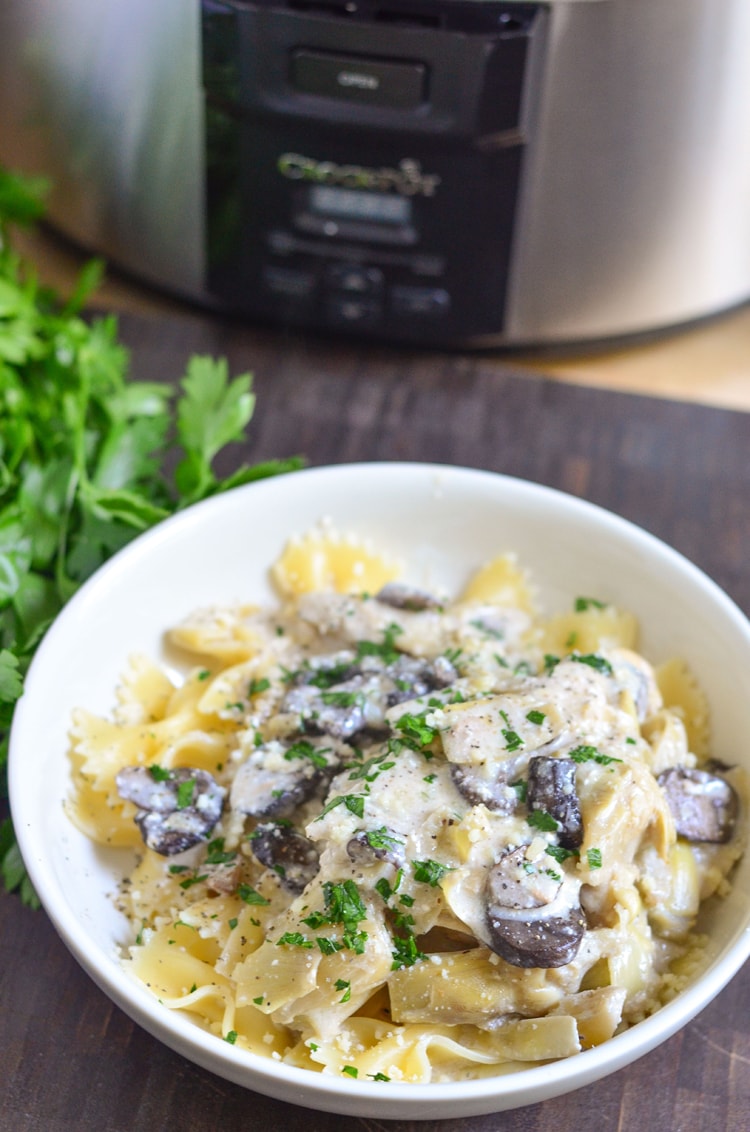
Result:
[364,159]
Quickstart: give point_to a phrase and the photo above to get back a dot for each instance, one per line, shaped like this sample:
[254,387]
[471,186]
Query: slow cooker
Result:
[457,172]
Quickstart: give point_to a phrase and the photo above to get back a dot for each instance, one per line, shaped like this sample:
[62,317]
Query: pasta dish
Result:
[392,835]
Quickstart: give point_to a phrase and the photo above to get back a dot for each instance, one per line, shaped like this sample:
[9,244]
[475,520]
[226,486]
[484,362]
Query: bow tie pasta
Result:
[388,834]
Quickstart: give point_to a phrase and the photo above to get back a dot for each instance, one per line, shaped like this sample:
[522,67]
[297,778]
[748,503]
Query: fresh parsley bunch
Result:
[85,456]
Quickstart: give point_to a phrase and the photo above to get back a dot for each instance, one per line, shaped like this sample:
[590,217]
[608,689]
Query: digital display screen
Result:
[355,204]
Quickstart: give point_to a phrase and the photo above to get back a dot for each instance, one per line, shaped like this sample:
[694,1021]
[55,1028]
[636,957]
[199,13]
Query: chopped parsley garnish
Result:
[512,739]
[233,922]
[303,749]
[583,603]
[350,1070]
[249,895]
[541,820]
[329,946]
[534,716]
[344,906]
[416,733]
[341,699]
[405,952]
[371,768]
[231,1037]
[600,663]
[383,888]
[259,1000]
[430,872]
[386,650]
[588,754]
[175,869]
[521,788]
[345,986]
[294,939]
[185,792]
[488,630]
[159,774]
[326,676]
[190,881]
[354,803]
[560,854]
[381,839]
[550,662]
[429,778]
[594,858]
[255,687]
[216,854]
[378,1076]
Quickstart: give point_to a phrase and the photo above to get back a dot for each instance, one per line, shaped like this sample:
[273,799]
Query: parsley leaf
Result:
[416,733]
[583,603]
[541,820]
[249,895]
[599,663]
[559,853]
[303,749]
[588,754]
[405,952]
[430,872]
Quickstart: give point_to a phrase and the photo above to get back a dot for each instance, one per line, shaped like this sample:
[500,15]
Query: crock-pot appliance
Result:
[469,172]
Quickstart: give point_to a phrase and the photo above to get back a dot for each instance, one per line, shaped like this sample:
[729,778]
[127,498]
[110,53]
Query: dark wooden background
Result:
[69,1060]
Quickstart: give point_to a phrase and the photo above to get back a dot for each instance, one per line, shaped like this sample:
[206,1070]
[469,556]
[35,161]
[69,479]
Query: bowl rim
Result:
[326,1091]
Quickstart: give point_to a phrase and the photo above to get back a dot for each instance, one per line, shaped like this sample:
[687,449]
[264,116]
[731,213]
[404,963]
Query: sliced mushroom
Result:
[276,779]
[223,877]
[704,806]
[400,596]
[176,809]
[286,851]
[482,789]
[552,787]
[341,710]
[370,845]
[411,677]
[360,701]
[533,915]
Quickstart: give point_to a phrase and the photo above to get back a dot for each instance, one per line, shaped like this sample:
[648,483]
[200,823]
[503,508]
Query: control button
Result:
[420,300]
[294,283]
[355,279]
[343,310]
[375,82]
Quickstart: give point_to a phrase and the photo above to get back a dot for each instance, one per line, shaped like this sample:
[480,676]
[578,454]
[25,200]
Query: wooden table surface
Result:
[69,1060]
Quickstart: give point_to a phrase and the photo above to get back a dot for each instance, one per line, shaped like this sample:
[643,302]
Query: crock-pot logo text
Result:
[407,178]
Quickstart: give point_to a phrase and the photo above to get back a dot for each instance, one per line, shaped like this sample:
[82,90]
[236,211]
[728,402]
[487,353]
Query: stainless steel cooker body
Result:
[461,171]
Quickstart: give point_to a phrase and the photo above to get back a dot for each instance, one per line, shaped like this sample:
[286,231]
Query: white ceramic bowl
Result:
[444,521]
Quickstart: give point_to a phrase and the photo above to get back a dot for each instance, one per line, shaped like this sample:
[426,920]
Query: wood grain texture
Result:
[69,1060]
